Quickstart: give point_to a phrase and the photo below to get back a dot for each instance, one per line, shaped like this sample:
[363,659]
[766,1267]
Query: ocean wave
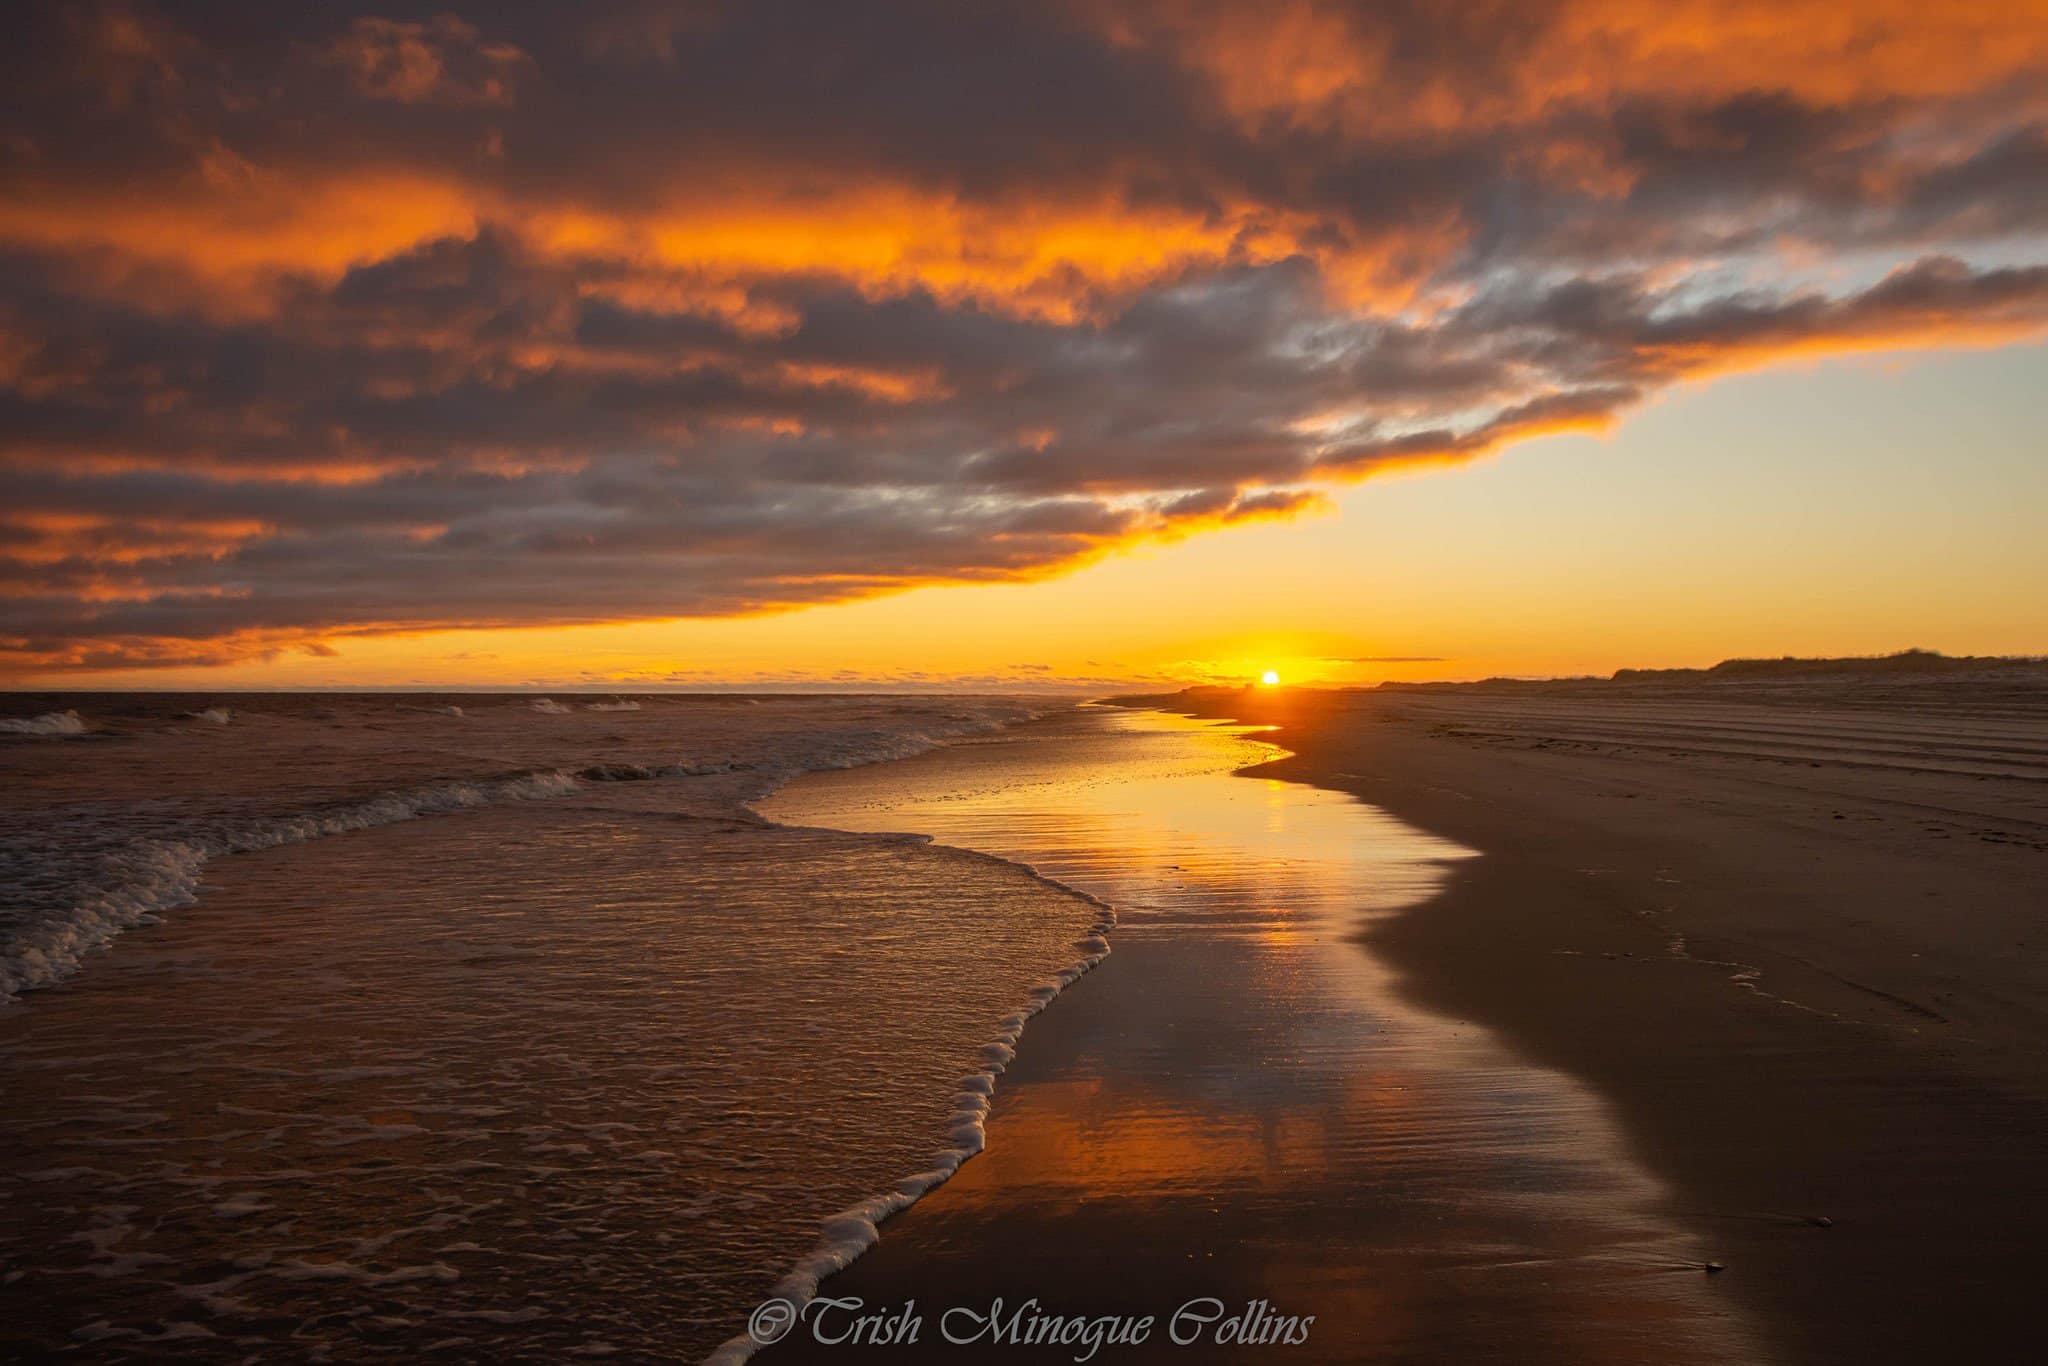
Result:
[216,716]
[85,889]
[547,706]
[617,704]
[136,881]
[845,1236]
[49,723]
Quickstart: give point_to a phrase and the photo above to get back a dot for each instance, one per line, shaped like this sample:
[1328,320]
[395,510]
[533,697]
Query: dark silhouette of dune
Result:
[1905,662]
[1913,679]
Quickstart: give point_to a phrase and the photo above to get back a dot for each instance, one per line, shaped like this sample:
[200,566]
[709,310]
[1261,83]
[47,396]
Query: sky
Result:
[1053,344]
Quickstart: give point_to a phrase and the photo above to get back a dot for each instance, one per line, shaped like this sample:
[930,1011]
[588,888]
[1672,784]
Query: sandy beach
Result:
[1784,936]
[1624,1022]
[1795,941]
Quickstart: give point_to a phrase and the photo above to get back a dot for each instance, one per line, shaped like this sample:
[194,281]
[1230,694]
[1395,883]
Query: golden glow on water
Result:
[1242,1092]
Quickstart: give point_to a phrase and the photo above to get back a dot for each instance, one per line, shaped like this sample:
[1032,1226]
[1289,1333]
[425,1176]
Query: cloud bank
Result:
[338,321]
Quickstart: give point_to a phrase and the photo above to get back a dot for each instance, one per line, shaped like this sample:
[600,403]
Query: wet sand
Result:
[1791,949]
[1796,941]
[1239,1104]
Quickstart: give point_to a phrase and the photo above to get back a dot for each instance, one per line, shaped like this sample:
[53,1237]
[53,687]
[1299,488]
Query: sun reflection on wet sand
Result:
[1240,1104]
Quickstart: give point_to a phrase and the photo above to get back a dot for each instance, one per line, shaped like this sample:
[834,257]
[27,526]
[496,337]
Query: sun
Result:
[1270,678]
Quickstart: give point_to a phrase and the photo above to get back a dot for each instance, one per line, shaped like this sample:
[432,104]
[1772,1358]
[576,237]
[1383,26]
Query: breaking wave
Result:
[76,887]
[845,1236]
[49,723]
[136,881]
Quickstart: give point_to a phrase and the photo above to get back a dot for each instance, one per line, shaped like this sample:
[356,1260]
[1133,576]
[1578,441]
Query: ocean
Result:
[476,1025]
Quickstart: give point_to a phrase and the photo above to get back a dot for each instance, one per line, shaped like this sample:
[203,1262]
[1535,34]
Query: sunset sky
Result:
[1006,345]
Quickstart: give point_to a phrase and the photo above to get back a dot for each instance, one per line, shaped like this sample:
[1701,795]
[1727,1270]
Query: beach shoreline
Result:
[1803,978]
[1238,1107]
[1475,1024]
[1840,1093]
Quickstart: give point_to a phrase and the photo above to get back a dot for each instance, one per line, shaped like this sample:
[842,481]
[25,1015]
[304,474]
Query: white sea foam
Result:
[845,1236]
[49,723]
[133,882]
[218,716]
[617,704]
[548,706]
